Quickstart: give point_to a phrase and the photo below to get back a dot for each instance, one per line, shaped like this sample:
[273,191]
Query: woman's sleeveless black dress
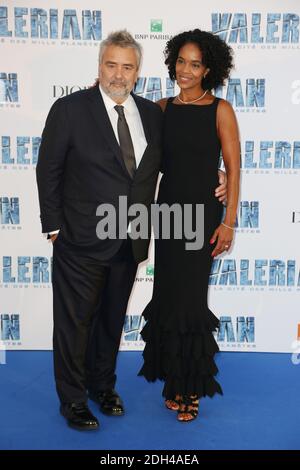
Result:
[180,346]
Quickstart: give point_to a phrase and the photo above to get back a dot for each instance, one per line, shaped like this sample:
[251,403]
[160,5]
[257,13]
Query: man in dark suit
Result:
[97,145]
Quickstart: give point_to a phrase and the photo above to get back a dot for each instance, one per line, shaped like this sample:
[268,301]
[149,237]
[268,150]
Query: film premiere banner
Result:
[49,49]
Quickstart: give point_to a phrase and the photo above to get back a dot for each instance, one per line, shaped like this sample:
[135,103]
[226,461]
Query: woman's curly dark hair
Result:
[216,55]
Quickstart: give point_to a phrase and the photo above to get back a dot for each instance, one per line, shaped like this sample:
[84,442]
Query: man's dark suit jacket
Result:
[80,166]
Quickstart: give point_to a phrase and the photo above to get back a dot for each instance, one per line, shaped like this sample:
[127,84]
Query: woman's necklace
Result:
[194,101]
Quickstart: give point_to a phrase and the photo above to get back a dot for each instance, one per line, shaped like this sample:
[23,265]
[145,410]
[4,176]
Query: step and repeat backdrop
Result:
[49,49]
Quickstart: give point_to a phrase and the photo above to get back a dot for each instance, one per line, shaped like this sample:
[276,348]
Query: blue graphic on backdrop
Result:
[9,211]
[132,327]
[9,88]
[243,330]
[280,154]
[243,28]
[29,270]
[248,215]
[151,88]
[9,327]
[259,272]
[269,155]
[22,150]
[85,25]
[250,95]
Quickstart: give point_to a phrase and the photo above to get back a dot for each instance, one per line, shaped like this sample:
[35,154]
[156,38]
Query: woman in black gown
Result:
[179,343]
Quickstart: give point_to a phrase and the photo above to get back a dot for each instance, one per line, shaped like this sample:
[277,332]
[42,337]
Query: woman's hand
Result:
[221,190]
[224,235]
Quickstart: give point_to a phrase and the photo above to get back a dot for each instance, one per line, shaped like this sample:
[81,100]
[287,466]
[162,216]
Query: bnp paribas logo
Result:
[156,26]
[150,270]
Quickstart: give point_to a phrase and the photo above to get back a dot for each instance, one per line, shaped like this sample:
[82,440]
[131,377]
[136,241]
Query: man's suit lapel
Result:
[101,117]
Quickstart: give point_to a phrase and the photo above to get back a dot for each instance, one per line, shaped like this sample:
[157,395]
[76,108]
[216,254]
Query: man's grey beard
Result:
[123,93]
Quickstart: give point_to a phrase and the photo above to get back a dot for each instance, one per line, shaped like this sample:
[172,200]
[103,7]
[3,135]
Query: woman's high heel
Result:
[174,404]
[188,410]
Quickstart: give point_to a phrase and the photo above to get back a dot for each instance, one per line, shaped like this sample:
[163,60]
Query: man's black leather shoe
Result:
[109,401]
[79,416]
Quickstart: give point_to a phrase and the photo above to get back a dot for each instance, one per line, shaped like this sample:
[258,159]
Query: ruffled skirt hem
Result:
[181,354]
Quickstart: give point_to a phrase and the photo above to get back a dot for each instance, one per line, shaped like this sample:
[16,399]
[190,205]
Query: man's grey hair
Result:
[124,39]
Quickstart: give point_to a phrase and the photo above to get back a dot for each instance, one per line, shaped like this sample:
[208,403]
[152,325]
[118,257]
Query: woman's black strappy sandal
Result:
[174,404]
[188,410]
